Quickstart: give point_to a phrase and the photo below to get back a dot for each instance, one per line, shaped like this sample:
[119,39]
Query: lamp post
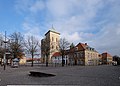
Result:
[4,59]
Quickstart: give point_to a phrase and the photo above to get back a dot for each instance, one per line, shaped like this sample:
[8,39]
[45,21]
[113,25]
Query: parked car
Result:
[114,63]
[15,63]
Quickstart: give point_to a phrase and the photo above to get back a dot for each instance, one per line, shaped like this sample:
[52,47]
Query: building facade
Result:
[49,45]
[106,58]
[57,59]
[83,54]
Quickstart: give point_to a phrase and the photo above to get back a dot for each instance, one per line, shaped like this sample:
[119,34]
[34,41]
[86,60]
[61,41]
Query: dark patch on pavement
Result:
[40,74]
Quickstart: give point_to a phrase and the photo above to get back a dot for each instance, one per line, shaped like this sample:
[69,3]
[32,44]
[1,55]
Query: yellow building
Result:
[22,61]
[83,54]
[49,45]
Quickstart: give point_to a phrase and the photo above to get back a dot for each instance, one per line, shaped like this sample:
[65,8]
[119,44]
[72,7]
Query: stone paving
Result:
[102,75]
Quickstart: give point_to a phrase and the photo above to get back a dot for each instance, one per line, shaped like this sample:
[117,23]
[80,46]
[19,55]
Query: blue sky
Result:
[96,22]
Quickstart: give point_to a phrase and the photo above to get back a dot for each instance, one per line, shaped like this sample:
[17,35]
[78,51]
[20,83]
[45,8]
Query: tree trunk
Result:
[32,60]
[46,61]
[62,61]
[14,55]
[1,61]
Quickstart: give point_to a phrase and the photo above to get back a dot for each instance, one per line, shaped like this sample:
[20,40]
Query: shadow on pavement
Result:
[40,74]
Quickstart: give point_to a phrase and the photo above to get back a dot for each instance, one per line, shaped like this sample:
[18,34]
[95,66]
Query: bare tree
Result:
[16,44]
[45,49]
[63,46]
[32,44]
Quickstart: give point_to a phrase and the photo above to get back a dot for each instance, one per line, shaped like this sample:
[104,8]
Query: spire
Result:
[53,28]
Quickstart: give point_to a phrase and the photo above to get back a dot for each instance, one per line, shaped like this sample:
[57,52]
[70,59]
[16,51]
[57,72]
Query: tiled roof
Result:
[56,54]
[28,59]
[81,46]
[52,31]
[107,54]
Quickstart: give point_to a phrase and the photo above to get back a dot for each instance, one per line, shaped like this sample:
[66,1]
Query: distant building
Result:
[106,58]
[100,59]
[52,41]
[22,61]
[35,60]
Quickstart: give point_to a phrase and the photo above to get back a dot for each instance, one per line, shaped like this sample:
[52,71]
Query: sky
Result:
[96,22]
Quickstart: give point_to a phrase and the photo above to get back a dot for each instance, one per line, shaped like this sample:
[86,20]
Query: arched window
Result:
[52,46]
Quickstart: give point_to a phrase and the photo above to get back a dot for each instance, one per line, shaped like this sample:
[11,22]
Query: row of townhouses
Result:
[81,54]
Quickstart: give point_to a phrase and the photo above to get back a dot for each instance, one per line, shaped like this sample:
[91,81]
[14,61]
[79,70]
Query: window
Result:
[56,47]
[52,39]
[56,39]
[52,46]
[88,55]
[81,55]
[76,48]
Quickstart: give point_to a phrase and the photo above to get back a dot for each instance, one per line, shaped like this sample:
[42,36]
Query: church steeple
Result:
[53,29]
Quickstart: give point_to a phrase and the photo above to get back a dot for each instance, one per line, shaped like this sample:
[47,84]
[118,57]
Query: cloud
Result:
[32,30]
[77,15]
[108,39]
[23,6]
[37,6]
[95,22]
[60,8]
[29,7]
[72,38]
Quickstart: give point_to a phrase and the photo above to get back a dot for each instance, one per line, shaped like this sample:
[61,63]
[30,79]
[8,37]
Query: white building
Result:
[57,58]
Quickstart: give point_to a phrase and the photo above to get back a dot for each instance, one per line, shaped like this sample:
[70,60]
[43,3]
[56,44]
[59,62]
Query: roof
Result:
[56,54]
[107,54]
[84,46]
[81,46]
[52,31]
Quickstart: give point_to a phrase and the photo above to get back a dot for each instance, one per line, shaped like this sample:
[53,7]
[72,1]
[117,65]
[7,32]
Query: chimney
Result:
[85,43]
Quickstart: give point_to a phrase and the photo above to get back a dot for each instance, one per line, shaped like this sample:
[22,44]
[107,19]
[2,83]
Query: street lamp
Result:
[4,59]
[4,56]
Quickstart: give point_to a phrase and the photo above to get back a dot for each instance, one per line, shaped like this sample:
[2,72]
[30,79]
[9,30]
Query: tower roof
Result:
[52,30]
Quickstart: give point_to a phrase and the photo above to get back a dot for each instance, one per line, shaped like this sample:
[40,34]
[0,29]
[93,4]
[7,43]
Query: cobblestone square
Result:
[102,75]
